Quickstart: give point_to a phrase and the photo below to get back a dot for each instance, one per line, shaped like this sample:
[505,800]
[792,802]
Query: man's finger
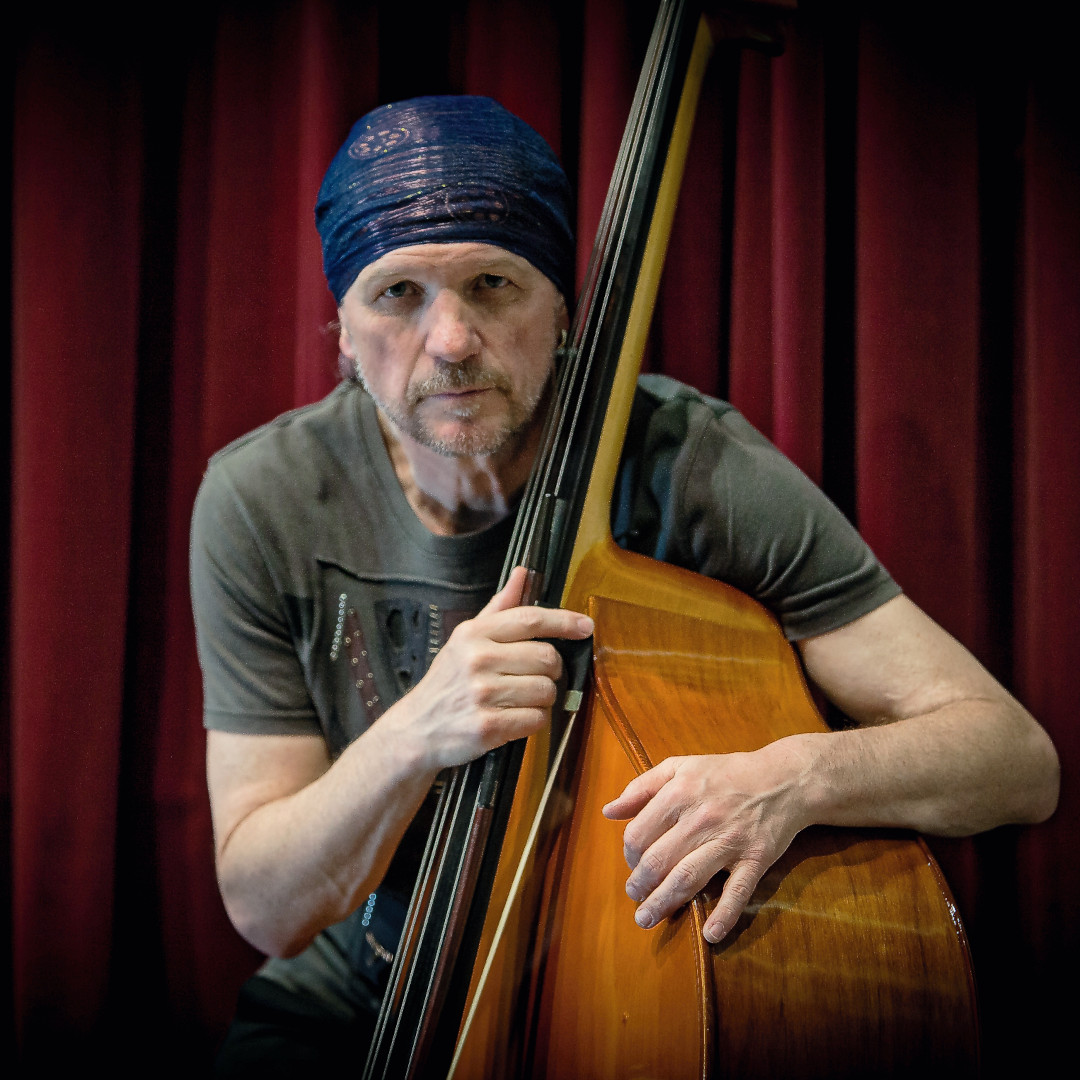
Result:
[639,791]
[519,622]
[737,892]
[509,596]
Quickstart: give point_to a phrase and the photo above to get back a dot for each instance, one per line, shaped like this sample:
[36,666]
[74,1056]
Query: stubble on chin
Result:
[471,439]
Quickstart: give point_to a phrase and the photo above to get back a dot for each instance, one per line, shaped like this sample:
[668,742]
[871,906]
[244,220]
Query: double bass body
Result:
[850,960]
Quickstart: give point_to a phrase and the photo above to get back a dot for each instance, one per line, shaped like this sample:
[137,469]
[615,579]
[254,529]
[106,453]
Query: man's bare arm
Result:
[968,756]
[300,842]
[941,747]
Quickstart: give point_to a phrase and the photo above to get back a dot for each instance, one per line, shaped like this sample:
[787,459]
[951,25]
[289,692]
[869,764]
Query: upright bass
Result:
[520,956]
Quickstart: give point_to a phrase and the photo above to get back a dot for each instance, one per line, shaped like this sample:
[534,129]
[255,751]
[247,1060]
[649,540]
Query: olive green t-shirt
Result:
[319,597]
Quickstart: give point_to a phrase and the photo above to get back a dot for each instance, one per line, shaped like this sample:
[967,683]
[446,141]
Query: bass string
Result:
[575,374]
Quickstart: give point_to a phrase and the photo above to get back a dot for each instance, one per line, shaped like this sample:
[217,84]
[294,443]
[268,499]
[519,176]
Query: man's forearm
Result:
[295,864]
[966,767]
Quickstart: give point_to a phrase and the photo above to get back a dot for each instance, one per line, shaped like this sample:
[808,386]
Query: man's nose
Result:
[451,335]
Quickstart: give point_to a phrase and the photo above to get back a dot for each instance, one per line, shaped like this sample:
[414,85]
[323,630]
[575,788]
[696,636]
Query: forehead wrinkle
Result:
[452,260]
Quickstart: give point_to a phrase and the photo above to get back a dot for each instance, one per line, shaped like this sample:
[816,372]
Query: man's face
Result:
[454,342]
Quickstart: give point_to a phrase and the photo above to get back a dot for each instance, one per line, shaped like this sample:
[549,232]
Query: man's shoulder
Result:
[664,391]
[290,438]
[293,472]
[669,416]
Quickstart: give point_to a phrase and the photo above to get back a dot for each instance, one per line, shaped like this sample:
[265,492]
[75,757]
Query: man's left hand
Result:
[691,817]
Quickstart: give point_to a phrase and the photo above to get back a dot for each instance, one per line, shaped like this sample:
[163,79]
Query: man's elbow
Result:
[1046,770]
[261,925]
[1029,769]
[268,937]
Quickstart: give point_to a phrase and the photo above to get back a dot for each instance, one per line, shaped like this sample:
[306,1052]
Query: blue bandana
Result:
[444,170]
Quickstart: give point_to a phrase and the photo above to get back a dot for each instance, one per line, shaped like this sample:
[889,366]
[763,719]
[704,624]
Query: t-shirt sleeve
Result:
[714,495]
[253,681]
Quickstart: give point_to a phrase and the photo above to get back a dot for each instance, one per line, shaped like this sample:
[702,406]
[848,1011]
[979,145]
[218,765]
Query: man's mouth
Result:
[453,388]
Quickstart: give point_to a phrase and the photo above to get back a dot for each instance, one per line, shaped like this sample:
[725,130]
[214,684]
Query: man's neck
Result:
[460,494]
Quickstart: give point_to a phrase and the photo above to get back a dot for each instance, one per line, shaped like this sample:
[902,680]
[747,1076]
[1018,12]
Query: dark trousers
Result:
[275,1035]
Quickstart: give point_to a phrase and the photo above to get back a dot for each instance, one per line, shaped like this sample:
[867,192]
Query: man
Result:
[343,561]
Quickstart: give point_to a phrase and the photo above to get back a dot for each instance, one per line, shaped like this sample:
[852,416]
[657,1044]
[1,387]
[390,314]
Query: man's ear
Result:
[347,368]
[345,343]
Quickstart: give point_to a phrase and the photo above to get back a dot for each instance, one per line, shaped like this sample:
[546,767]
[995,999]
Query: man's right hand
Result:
[492,682]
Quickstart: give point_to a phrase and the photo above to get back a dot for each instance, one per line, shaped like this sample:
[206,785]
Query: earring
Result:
[563,350]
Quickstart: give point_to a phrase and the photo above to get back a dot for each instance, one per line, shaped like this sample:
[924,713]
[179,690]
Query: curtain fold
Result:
[876,257]
[75,260]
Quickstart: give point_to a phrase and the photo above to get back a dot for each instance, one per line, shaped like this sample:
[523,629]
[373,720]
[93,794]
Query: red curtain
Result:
[876,257]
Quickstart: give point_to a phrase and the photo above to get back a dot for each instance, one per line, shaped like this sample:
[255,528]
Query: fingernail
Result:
[585,624]
[644,918]
[634,893]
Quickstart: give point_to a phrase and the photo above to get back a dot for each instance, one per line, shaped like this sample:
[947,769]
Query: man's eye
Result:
[397,291]
[493,281]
